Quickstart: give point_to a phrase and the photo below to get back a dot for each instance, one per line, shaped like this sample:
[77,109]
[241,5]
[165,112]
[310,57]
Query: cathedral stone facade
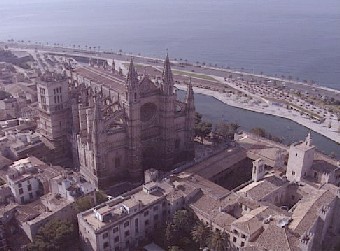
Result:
[123,125]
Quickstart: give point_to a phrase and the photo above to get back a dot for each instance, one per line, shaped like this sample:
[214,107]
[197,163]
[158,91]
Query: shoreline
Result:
[270,110]
[83,52]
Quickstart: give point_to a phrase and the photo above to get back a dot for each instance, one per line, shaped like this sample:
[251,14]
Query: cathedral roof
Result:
[147,86]
[101,76]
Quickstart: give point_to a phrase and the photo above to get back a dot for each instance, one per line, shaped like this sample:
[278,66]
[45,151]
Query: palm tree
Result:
[219,241]
[200,234]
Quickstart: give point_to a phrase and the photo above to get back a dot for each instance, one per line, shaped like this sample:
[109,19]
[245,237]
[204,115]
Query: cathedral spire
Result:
[167,73]
[167,77]
[190,96]
[132,76]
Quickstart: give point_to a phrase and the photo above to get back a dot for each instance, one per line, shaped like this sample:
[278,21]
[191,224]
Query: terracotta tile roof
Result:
[261,189]
[223,220]
[275,238]
[323,166]
[307,212]
[248,224]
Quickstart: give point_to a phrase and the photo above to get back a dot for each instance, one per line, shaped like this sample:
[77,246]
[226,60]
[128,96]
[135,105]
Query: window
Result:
[31,195]
[22,199]
[146,213]
[21,191]
[155,208]
[29,187]
[234,239]
[146,222]
[20,185]
[242,244]
[293,173]
[243,236]
[105,235]
[126,223]
[116,239]
[115,230]
[127,233]
[106,245]
[155,217]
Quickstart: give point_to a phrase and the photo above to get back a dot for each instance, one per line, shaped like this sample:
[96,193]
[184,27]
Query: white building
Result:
[71,186]
[121,223]
[29,179]
[22,181]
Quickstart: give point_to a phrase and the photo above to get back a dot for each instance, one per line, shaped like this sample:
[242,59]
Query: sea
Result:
[298,38]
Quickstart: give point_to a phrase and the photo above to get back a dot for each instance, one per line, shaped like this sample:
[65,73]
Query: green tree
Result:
[86,202]
[219,241]
[259,132]
[175,248]
[55,235]
[202,128]
[200,234]
[178,230]
[226,131]
[198,118]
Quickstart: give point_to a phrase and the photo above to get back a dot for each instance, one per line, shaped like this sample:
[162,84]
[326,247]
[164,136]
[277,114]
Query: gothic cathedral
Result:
[123,125]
